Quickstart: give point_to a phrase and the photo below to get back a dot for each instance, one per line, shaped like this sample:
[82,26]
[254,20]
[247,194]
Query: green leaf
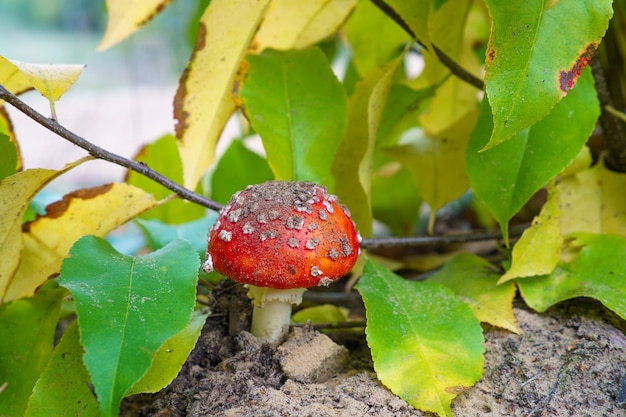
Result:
[374,37]
[26,343]
[532,62]
[127,308]
[395,200]
[160,234]
[599,271]
[162,156]
[63,388]
[506,176]
[426,344]
[9,159]
[325,313]
[352,166]
[474,281]
[170,357]
[298,107]
[236,169]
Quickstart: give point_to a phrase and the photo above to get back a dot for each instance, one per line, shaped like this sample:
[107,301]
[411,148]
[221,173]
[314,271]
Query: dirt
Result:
[570,361]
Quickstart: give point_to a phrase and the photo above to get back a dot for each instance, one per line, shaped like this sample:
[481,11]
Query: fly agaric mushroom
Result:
[279,238]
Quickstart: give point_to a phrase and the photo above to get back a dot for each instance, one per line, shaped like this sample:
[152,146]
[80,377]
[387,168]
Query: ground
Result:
[569,361]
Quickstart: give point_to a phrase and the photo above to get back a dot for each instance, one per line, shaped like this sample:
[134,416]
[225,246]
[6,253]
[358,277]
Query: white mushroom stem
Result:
[272,312]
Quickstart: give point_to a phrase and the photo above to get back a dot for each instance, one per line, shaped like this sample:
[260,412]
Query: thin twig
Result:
[103,154]
[454,68]
[472,236]
[613,128]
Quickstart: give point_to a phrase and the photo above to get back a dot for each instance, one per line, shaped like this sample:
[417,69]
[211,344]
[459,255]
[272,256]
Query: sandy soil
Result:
[570,361]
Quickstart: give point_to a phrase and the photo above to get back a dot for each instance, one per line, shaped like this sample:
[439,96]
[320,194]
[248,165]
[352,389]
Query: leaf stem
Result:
[103,154]
[454,68]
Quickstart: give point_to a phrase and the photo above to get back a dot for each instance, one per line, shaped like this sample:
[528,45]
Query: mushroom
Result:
[279,238]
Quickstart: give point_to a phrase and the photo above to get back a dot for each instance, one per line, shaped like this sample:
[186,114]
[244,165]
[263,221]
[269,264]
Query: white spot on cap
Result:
[207,265]
[273,214]
[312,226]
[328,206]
[272,234]
[333,254]
[325,282]
[225,235]
[323,214]
[261,218]
[233,216]
[293,242]
[294,222]
[247,229]
[345,246]
[312,243]
[315,271]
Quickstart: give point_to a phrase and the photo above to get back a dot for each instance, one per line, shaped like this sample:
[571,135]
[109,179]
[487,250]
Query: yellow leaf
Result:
[126,17]
[538,250]
[12,79]
[16,191]
[296,25]
[47,240]
[353,175]
[50,80]
[203,102]
[437,164]
[593,201]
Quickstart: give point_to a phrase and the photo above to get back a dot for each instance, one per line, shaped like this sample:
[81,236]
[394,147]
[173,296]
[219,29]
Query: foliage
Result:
[330,89]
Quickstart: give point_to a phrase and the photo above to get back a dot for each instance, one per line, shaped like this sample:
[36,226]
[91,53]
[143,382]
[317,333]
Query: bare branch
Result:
[103,154]
[472,236]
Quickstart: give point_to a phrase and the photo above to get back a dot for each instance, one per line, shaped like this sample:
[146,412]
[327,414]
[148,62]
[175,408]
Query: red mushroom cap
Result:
[283,234]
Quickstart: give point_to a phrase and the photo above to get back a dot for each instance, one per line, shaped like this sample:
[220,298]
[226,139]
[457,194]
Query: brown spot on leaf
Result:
[156,11]
[180,114]
[568,78]
[57,208]
[242,72]
[490,53]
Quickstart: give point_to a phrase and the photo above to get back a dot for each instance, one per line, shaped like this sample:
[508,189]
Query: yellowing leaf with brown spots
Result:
[539,249]
[16,191]
[47,240]
[593,201]
[292,24]
[203,101]
[126,17]
[52,81]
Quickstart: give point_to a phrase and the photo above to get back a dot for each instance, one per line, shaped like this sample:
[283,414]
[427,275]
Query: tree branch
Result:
[454,68]
[472,236]
[103,154]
